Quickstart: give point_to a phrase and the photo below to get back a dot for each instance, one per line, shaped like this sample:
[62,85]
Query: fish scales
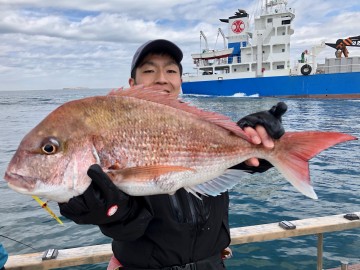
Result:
[148,143]
[158,137]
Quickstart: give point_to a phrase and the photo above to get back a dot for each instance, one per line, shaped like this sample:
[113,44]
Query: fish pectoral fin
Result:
[145,173]
[219,184]
[193,192]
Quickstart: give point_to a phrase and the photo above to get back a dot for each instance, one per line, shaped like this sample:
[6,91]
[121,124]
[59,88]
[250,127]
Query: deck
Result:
[258,233]
[349,267]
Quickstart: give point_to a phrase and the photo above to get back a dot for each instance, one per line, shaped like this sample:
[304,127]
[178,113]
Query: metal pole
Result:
[344,265]
[320,247]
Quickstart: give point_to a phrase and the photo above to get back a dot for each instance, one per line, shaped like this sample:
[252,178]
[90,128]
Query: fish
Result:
[150,142]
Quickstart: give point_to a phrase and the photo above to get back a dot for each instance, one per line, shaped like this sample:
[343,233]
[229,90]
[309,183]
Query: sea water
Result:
[258,199]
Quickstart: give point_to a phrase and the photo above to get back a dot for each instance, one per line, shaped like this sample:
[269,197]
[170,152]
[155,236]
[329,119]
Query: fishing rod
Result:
[7,237]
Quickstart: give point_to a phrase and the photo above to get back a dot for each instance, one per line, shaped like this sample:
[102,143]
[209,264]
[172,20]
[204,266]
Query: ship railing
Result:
[241,235]
[342,68]
[342,65]
[276,6]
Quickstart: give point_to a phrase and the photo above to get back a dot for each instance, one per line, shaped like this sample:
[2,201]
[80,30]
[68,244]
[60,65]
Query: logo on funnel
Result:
[238,26]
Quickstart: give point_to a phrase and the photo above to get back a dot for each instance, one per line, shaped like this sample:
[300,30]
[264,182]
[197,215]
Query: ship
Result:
[256,62]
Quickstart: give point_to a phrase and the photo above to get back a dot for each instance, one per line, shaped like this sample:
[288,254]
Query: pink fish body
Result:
[149,143]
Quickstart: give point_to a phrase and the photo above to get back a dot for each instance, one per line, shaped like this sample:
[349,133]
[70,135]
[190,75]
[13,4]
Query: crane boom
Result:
[350,41]
[205,39]
[223,35]
[341,44]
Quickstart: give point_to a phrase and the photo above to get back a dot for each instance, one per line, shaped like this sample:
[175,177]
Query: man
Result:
[168,232]
[303,56]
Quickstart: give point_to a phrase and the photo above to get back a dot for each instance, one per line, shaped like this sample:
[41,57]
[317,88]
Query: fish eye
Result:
[50,146]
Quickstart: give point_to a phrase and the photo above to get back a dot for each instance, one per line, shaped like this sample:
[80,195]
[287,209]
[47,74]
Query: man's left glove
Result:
[270,120]
[101,203]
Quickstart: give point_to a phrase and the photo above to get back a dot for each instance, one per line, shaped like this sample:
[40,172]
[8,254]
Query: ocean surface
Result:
[258,199]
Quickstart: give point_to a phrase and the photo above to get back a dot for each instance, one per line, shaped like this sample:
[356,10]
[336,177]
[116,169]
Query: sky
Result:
[48,44]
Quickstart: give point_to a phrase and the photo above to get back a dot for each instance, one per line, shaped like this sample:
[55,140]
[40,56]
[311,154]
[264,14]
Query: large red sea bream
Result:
[149,142]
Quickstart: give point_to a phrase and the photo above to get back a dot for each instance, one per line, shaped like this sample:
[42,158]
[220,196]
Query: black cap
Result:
[158,45]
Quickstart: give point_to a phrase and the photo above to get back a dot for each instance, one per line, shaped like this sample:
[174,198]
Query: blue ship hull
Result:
[319,85]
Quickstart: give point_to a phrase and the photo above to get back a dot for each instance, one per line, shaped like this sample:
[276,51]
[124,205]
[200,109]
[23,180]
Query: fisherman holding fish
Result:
[152,171]
[178,231]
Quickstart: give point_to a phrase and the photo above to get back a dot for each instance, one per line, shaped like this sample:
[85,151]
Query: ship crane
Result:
[341,44]
[223,36]
[205,39]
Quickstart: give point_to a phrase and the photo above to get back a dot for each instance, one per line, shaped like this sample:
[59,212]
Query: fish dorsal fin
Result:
[218,185]
[155,94]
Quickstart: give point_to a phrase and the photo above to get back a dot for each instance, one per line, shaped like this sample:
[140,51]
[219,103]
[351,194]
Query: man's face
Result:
[158,70]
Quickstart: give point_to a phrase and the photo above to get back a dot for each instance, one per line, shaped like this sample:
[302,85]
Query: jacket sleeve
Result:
[118,215]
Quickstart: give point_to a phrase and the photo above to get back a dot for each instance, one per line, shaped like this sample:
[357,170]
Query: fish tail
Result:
[296,149]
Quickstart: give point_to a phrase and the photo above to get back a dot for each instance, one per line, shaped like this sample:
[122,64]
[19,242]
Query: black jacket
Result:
[168,230]
[160,230]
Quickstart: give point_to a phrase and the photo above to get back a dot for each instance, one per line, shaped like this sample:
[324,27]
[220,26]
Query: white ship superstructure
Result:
[265,50]
[255,61]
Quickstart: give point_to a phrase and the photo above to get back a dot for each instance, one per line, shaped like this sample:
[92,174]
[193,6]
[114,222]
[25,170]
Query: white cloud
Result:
[47,44]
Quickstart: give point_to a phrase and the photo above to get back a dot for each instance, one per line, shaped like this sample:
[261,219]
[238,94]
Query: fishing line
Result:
[19,242]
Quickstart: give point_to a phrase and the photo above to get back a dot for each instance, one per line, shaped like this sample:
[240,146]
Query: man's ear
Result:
[131,82]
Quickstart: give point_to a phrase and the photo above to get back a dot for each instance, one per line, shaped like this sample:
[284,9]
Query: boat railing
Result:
[241,235]
[276,6]
[342,65]
[342,68]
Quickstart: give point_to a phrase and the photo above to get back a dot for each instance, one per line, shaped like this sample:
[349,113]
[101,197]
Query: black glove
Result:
[270,120]
[101,202]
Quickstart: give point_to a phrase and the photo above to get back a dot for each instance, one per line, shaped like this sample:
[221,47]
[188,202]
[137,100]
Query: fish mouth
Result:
[20,183]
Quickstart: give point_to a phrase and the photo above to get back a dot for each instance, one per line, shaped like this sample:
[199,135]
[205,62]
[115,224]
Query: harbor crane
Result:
[341,44]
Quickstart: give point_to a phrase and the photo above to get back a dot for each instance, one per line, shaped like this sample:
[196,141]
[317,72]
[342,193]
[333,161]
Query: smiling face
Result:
[159,70]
